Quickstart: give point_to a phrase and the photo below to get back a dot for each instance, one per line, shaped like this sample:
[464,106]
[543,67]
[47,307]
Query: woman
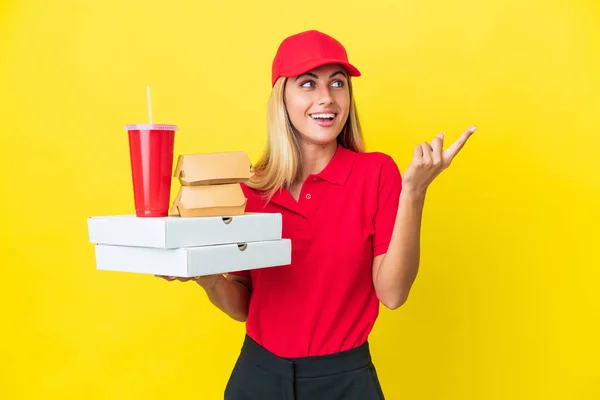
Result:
[354,225]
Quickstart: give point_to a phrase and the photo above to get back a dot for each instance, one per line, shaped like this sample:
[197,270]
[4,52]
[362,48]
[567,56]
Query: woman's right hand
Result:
[231,295]
[206,281]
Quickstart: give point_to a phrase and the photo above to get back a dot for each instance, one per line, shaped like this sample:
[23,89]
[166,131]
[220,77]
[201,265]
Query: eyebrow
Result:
[317,77]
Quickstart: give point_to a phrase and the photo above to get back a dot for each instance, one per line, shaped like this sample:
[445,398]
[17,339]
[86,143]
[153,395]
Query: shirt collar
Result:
[339,167]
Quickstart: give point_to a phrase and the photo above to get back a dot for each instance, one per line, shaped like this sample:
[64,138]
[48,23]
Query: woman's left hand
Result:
[430,160]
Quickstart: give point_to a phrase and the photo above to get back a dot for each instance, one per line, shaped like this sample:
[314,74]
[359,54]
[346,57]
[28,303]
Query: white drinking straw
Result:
[149,103]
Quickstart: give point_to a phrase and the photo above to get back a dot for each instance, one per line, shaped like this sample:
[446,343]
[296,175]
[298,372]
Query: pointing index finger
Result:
[460,142]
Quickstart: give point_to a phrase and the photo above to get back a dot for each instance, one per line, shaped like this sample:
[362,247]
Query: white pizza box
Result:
[174,232]
[194,261]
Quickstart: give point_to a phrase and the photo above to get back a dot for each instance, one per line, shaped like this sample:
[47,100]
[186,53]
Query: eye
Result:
[338,84]
[308,84]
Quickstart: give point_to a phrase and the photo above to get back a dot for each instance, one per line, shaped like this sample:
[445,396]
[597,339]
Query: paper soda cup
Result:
[151,155]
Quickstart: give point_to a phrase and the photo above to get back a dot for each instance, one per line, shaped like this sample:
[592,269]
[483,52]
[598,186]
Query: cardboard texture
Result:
[209,201]
[175,232]
[213,168]
[194,261]
[210,184]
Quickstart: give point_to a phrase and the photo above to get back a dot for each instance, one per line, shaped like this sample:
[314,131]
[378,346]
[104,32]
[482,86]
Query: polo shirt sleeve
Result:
[388,197]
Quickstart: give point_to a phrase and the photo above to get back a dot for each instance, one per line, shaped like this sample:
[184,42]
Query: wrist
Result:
[412,193]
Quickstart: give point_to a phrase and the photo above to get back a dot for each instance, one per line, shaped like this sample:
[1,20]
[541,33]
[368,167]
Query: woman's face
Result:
[318,103]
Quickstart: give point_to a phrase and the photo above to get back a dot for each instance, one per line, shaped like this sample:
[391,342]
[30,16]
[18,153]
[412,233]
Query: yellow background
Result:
[505,305]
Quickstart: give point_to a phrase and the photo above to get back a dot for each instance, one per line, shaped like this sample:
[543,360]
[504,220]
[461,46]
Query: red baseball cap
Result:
[307,50]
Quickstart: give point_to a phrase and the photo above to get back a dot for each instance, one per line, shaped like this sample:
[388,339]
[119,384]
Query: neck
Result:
[315,157]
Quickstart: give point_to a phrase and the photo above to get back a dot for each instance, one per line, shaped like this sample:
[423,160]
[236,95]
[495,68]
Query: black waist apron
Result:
[260,375]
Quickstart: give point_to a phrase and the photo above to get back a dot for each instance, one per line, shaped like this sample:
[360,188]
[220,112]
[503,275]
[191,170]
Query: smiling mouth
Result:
[323,117]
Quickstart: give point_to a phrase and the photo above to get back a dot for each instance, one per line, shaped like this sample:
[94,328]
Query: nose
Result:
[325,96]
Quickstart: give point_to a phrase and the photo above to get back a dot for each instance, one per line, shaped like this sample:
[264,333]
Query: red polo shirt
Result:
[324,301]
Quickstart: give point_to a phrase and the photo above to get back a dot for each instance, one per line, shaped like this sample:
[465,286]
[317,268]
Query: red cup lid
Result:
[148,127]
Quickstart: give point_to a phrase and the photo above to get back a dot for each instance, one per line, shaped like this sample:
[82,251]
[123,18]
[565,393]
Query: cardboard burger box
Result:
[210,184]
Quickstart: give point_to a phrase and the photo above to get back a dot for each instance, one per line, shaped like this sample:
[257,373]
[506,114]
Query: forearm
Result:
[399,267]
[230,296]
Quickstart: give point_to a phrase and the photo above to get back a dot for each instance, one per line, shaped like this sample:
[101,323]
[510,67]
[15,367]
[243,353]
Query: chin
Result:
[322,138]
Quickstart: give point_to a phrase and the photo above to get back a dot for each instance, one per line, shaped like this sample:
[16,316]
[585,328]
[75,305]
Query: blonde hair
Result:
[280,165]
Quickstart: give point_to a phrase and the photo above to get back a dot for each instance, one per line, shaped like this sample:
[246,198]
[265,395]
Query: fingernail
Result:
[473,128]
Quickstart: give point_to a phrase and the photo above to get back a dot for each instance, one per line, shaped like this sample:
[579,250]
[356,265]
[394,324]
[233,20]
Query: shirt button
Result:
[308,196]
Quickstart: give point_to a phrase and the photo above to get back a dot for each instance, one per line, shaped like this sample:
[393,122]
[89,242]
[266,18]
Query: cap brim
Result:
[312,64]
